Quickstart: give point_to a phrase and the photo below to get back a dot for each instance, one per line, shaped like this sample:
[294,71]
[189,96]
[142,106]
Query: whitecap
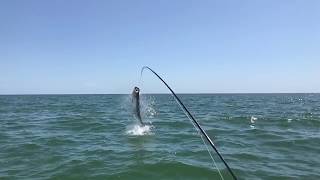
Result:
[253,119]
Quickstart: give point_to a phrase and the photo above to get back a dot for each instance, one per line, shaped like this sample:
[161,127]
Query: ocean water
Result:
[261,136]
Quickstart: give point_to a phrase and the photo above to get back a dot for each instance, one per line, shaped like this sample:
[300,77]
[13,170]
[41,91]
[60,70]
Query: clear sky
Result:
[97,46]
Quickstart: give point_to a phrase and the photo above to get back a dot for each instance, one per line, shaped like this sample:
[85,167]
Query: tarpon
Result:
[136,104]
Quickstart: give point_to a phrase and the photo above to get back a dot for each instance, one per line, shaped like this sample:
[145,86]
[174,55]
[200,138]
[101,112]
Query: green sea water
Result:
[261,136]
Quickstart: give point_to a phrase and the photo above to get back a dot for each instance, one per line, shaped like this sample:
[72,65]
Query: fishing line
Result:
[211,157]
[193,120]
[205,144]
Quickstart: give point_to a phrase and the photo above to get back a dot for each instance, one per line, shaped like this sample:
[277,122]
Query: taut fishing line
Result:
[205,144]
[195,124]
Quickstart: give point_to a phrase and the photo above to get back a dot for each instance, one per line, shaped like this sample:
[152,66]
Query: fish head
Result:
[135,91]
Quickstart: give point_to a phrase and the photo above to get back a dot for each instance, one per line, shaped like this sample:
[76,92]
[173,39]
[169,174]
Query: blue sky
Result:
[60,46]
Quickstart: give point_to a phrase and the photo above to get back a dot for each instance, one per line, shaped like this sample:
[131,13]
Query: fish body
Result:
[136,104]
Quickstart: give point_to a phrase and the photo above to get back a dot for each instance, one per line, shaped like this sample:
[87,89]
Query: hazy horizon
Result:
[183,93]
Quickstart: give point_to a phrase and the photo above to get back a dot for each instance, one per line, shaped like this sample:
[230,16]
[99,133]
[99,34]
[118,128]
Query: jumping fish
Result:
[136,104]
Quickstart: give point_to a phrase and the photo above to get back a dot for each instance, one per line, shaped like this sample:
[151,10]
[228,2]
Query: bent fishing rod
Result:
[194,121]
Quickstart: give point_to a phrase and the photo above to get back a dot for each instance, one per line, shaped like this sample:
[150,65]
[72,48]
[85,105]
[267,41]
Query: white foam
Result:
[253,119]
[138,130]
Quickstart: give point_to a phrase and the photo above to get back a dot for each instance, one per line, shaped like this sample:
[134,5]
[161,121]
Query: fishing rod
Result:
[194,121]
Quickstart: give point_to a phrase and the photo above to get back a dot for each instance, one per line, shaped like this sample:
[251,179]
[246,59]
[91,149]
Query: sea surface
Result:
[261,136]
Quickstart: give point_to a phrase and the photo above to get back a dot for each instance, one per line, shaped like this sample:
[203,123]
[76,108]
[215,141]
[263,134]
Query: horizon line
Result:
[22,94]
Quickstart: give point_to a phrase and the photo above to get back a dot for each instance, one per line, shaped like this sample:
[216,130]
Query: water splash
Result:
[147,104]
[252,122]
[138,130]
[253,119]
[147,108]
[147,112]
